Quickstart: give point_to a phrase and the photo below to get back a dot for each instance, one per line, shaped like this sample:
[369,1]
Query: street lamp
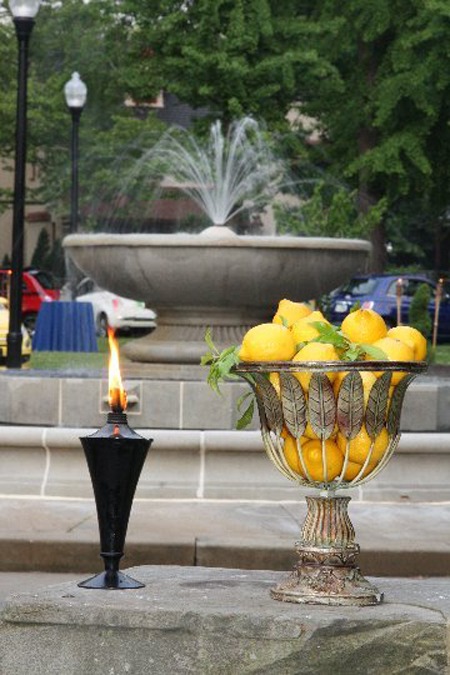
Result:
[76,93]
[23,12]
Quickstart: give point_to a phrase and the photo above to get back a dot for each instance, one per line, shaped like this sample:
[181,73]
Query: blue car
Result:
[379,292]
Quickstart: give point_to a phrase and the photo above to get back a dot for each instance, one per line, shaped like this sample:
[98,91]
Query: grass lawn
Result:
[64,360]
[443,354]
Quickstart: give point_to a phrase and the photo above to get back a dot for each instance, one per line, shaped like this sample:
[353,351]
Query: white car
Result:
[114,311]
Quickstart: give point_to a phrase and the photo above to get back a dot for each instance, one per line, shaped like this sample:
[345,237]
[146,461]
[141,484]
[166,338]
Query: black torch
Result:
[115,455]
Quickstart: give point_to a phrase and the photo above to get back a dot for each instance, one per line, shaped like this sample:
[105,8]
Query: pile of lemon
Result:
[290,337]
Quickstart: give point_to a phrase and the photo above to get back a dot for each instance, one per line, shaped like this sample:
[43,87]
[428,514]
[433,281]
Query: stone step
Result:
[61,535]
[222,622]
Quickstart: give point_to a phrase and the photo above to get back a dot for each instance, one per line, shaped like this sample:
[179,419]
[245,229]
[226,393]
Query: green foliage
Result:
[326,215]
[221,367]
[92,38]
[347,350]
[236,57]
[49,258]
[419,316]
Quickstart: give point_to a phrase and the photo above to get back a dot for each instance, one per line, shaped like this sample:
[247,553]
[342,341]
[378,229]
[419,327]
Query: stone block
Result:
[202,408]
[81,403]
[31,400]
[221,622]
[420,408]
[443,409]
[160,405]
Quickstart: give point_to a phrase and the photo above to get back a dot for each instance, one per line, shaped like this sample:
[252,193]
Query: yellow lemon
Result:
[360,445]
[267,342]
[311,434]
[353,469]
[303,331]
[290,312]
[274,379]
[368,380]
[395,351]
[315,351]
[364,326]
[411,337]
[291,453]
[312,453]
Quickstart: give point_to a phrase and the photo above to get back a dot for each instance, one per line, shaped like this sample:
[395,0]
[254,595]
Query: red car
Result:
[38,287]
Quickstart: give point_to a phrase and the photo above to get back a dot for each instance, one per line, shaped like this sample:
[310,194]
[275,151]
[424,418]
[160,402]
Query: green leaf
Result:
[374,352]
[247,417]
[209,341]
[207,358]
[300,345]
[355,307]
[243,398]
[329,334]
[284,321]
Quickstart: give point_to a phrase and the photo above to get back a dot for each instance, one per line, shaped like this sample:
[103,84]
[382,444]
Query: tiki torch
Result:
[115,455]
[399,288]
[437,305]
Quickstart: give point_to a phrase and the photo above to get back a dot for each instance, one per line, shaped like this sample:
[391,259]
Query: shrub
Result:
[419,316]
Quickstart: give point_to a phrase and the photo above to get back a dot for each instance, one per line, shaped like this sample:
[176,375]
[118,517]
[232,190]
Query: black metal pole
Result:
[76,114]
[24,26]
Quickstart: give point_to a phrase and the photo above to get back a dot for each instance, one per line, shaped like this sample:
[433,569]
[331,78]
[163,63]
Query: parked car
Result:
[114,311]
[379,292]
[4,326]
[37,287]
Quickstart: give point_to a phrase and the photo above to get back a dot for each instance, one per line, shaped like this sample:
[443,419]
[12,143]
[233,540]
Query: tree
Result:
[42,251]
[385,128]
[236,57]
[93,39]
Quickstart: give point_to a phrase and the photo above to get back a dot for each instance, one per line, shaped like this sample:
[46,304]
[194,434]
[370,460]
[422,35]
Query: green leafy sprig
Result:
[221,365]
[347,350]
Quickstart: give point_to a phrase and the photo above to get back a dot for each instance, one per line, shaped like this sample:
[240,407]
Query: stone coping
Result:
[222,622]
[197,240]
[49,461]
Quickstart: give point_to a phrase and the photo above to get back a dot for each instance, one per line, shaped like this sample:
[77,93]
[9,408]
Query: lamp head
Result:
[75,92]
[24,9]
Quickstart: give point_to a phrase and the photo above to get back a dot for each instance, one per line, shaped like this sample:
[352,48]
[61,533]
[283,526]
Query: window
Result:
[360,286]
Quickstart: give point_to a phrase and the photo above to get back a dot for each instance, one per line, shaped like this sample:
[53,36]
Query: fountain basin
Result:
[216,279]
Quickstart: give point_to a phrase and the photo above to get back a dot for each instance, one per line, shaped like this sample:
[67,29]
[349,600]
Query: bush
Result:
[419,316]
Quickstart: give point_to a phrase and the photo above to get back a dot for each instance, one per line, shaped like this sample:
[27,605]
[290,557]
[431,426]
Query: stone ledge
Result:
[222,622]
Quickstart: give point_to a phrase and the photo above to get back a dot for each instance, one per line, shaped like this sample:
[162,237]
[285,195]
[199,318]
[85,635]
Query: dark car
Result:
[379,292]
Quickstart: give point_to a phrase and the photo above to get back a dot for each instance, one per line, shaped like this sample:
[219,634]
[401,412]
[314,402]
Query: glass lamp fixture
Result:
[75,92]
[24,9]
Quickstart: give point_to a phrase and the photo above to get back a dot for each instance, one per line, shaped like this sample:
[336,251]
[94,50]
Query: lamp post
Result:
[23,12]
[75,92]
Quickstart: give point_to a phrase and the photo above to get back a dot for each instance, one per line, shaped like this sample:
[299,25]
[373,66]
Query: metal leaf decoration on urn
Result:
[322,406]
[377,405]
[293,402]
[271,403]
[350,405]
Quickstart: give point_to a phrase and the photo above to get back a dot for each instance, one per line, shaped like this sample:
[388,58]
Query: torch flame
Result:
[117,394]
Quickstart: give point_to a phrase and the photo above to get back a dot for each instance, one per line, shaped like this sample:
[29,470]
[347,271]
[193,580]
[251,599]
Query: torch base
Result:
[111,581]
[327,576]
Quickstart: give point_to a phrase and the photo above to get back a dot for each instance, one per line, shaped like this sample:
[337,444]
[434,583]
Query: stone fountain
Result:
[216,278]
